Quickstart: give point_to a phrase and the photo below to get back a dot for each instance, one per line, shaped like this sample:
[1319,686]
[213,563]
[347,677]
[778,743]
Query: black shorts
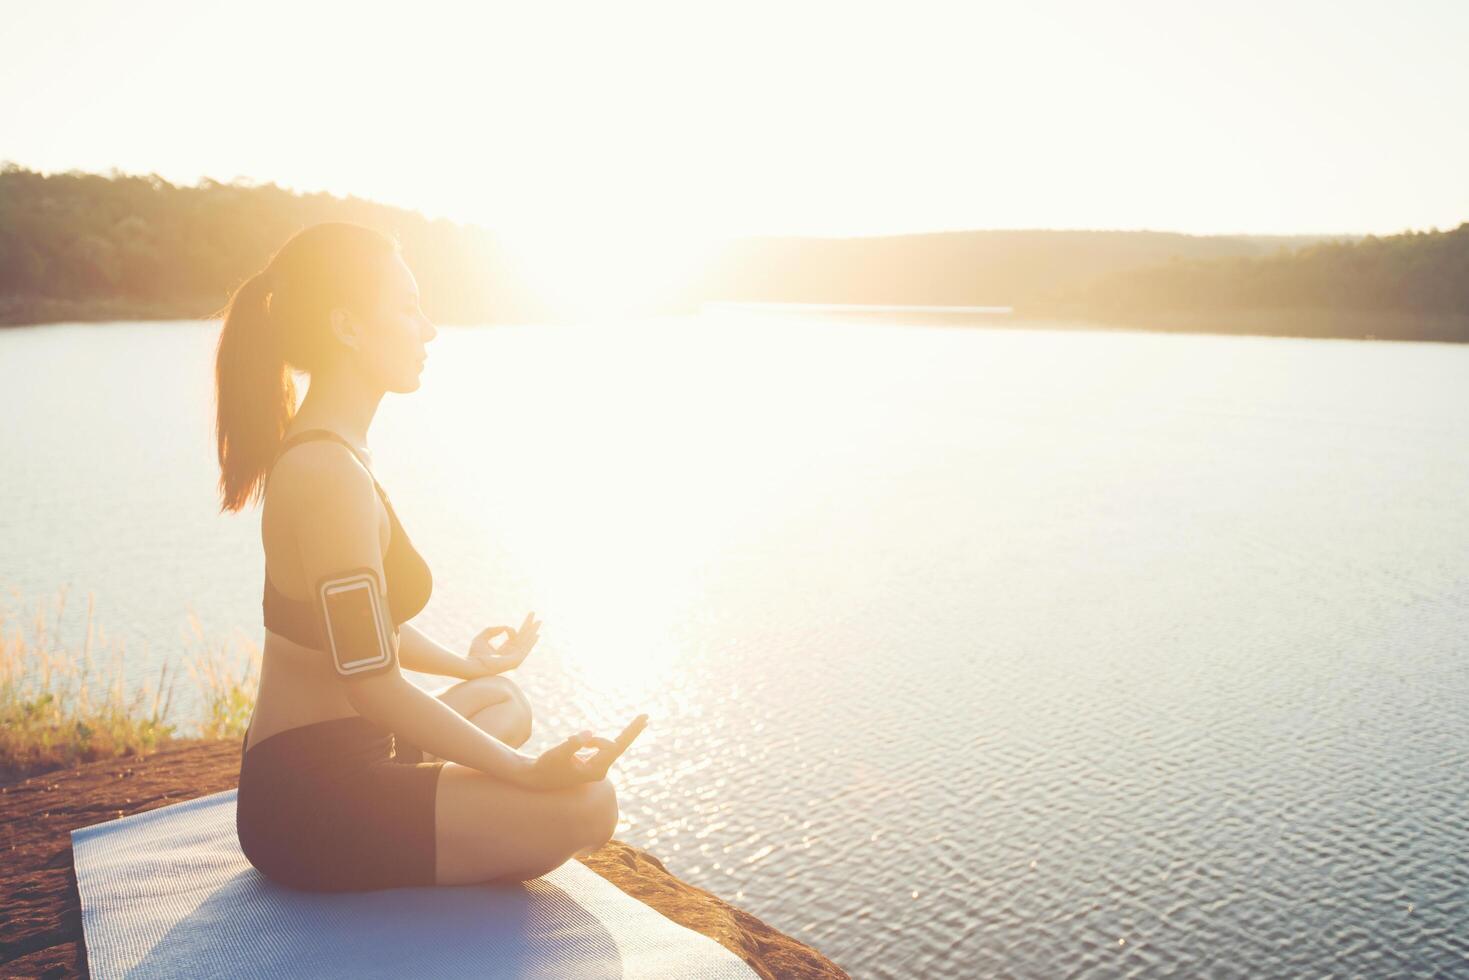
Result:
[334,806]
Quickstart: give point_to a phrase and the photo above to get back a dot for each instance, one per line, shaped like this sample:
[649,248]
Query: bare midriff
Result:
[297,687]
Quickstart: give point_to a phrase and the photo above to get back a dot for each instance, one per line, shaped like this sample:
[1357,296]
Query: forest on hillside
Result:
[954,268]
[111,245]
[99,247]
[1409,286]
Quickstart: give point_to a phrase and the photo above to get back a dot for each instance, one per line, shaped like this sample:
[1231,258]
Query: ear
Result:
[344,328]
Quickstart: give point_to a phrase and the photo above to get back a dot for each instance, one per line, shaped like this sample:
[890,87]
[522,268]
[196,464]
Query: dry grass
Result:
[59,706]
[228,682]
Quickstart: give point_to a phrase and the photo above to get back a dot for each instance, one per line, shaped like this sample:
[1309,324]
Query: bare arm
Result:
[421,652]
[395,702]
[338,533]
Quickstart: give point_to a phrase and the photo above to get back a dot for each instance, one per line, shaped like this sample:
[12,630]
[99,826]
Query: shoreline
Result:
[40,920]
[1309,323]
[1306,323]
[40,311]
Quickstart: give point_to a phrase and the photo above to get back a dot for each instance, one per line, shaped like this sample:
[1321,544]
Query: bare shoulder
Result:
[317,475]
[331,508]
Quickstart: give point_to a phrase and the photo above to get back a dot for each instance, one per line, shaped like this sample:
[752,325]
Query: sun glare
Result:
[580,271]
[614,530]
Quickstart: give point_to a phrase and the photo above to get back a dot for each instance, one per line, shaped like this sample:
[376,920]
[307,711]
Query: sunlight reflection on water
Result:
[966,652]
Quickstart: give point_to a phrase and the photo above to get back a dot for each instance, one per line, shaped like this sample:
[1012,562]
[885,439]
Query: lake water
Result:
[967,652]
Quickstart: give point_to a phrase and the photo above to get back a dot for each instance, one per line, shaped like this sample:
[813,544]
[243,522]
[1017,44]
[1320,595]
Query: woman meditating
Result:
[333,795]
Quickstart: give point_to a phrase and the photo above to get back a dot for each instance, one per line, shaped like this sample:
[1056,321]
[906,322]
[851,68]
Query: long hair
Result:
[277,322]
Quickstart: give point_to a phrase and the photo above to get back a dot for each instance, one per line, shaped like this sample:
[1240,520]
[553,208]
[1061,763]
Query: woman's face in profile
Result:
[393,336]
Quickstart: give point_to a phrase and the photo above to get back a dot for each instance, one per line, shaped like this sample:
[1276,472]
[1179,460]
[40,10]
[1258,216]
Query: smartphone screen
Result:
[353,627]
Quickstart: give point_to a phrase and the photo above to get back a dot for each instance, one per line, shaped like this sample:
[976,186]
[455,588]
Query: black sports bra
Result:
[408,579]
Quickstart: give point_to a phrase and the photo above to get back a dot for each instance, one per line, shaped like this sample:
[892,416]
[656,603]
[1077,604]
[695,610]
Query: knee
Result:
[593,821]
[506,686]
[494,688]
[521,735]
[524,706]
[599,813]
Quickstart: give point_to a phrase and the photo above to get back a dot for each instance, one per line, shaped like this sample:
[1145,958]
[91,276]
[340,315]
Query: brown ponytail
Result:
[255,393]
[275,321]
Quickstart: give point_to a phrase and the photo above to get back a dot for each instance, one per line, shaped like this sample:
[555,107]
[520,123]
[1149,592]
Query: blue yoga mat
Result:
[167,893]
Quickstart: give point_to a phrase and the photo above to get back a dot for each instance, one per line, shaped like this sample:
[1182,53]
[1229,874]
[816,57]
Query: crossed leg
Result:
[494,703]
[488,830]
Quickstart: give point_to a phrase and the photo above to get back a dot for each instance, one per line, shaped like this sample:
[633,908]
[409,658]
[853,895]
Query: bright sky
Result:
[540,118]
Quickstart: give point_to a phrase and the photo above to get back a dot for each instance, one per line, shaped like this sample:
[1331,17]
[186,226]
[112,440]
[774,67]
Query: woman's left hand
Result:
[509,654]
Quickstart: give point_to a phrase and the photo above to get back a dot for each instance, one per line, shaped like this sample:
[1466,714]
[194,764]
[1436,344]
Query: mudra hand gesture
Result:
[563,765]
[497,660]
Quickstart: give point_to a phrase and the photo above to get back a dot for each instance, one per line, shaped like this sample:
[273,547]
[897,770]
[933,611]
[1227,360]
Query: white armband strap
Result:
[358,636]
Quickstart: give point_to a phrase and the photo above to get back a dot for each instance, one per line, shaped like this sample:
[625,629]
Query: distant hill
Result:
[127,247]
[1409,286]
[958,268]
[88,246]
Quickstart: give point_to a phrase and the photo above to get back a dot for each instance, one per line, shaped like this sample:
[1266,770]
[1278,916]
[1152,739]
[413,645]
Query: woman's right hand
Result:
[559,766]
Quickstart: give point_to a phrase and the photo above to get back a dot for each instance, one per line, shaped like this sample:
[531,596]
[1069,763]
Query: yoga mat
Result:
[168,893]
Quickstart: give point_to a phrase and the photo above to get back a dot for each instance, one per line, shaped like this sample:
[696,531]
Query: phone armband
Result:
[358,635]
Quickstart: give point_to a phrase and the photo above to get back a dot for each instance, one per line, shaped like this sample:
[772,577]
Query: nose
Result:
[429,331]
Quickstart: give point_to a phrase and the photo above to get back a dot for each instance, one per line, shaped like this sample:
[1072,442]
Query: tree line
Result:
[118,243]
[1413,285]
[117,246]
